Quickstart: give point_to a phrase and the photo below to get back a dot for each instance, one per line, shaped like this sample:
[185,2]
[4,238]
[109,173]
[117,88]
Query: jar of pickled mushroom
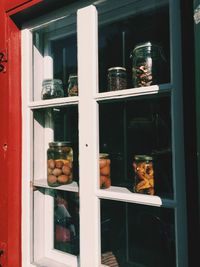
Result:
[117,79]
[148,65]
[104,170]
[143,174]
[59,163]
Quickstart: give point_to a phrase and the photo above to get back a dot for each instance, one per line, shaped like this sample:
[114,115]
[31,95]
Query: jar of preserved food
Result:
[117,79]
[73,85]
[52,88]
[59,163]
[144,174]
[104,170]
[148,65]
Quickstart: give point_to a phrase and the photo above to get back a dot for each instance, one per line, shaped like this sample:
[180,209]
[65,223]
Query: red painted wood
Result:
[14,144]
[14,3]
[3,141]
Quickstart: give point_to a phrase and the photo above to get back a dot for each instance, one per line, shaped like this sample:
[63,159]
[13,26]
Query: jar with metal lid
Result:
[59,163]
[52,88]
[117,78]
[148,65]
[104,170]
[144,174]
[73,85]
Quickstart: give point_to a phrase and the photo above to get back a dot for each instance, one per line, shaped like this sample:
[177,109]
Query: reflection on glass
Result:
[66,222]
[136,235]
[136,129]
[128,27]
[54,57]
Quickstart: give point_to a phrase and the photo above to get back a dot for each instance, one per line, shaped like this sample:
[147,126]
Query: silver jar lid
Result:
[59,144]
[143,158]
[52,81]
[117,68]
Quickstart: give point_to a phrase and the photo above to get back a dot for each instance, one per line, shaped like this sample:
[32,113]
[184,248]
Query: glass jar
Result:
[104,170]
[144,174]
[59,163]
[52,88]
[117,79]
[72,85]
[148,65]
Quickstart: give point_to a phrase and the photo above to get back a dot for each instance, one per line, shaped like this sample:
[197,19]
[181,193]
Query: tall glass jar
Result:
[117,79]
[148,65]
[52,88]
[144,174]
[104,170]
[73,85]
[59,163]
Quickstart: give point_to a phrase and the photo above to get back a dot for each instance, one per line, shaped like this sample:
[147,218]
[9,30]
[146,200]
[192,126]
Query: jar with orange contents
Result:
[144,174]
[59,164]
[104,170]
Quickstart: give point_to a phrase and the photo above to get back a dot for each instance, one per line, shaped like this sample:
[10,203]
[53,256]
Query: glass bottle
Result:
[59,163]
[104,170]
[148,65]
[144,174]
[73,85]
[52,88]
[117,79]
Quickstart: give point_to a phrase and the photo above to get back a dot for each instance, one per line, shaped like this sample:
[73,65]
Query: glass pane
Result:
[55,59]
[66,222]
[134,35]
[56,221]
[136,235]
[138,127]
[54,127]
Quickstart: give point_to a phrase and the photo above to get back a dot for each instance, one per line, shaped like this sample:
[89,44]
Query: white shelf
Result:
[123,194]
[46,262]
[134,92]
[63,101]
[72,187]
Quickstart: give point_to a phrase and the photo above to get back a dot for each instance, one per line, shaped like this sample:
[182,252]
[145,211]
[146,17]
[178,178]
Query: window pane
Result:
[136,235]
[58,125]
[54,58]
[138,127]
[121,30]
[66,222]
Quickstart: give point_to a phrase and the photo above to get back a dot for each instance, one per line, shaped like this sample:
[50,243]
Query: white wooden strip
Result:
[72,187]
[123,194]
[63,101]
[133,92]
[88,137]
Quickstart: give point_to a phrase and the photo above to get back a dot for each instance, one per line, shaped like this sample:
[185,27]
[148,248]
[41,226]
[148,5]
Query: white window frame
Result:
[90,194]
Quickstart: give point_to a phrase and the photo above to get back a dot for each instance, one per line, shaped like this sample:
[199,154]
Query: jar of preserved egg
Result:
[117,79]
[59,163]
[148,65]
[104,170]
[52,88]
[73,85]
[144,174]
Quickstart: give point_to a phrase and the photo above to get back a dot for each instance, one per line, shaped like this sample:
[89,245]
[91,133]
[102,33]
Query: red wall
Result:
[10,134]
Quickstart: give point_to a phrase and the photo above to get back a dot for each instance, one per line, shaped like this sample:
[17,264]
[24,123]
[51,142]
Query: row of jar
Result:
[148,68]
[60,169]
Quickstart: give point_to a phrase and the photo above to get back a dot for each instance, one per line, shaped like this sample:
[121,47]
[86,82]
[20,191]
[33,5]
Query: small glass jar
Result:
[52,88]
[72,85]
[144,174]
[148,65]
[59,164]
[117,79]
[104,171]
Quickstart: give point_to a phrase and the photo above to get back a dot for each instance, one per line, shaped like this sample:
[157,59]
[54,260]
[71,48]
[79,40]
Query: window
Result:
[103,145]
